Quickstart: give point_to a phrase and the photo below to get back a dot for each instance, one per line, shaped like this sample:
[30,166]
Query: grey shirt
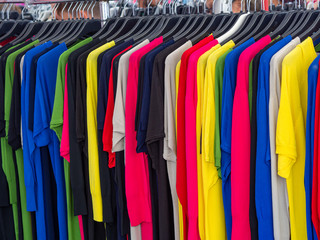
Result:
[280,204]
[170,142]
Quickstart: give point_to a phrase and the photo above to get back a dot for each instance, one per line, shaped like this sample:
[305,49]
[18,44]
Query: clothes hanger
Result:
[290,19]
[5,25]
[242,21]
[140,24]
[16,29]
[60,27]
[87,28]
[77,29]
[256,19]
[158,23]
[266,19]
[308,21]
[210,27]
[312,29]
[276,20]
[138,29]
[190,28]
[169,23]
[181,22]
[128,24]
[153,29]
[315,36]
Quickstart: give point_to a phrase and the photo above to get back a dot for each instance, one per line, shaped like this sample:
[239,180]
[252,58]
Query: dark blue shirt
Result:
[146,89]
[103,83]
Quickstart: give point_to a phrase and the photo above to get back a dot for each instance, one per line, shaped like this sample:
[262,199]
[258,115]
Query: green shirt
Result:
[218,106]
[7,153]
[57,112]
[56,124]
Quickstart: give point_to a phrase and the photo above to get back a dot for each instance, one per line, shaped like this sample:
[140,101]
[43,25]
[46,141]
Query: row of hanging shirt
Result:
[147,130]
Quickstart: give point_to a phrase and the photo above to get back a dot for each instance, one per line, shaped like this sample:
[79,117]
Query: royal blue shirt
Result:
[43,136]
[308,170]
[263,193]
[31,157]
[145,103]
[228,89]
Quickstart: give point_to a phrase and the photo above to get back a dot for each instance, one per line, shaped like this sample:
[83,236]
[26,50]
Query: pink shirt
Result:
[240,145]
[191,140]
[65,146]
[136,170]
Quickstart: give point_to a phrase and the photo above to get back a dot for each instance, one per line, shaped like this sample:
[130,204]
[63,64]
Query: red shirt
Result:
[315,182]
[181,144]
[108,127]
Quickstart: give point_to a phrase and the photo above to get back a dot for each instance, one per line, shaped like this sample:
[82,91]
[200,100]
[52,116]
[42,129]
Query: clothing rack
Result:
[167,122]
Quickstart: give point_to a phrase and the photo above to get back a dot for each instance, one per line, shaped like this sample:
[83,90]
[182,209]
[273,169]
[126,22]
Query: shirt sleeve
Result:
[285,138]
[41,128]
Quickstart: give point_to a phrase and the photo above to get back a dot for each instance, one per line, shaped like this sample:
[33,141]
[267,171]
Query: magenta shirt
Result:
[191,140]
[240,145]
[65,146]
[136,168]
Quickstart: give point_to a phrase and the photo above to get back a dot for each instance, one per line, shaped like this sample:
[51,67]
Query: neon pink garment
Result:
[191,140]
[136,170]
[65,144]
[240,145]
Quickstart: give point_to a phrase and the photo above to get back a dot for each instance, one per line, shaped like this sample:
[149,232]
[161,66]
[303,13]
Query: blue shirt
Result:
[308,174]
[42,134]
[145,103]
[104,80]
[228,89]
[31,158]
[263,194]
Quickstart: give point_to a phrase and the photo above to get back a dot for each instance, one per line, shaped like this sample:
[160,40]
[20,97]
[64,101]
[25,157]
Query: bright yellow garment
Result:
[93,157]
[180,206]
[290,138]
[201,68]
[212,184]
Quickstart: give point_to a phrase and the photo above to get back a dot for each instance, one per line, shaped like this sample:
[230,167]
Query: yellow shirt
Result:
[201,68]
[180,206]
[93,157]
[290,135]
[212,184]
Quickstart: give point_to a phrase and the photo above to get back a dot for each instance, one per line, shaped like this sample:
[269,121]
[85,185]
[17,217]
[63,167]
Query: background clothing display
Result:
[162,123]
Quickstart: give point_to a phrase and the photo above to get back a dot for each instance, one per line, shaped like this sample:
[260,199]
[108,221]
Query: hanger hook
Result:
[148,11]
[74,8]
[82,11]
[69,10]
[92,16]
[3,10]
[89,9]
[63,10]
[78,9]
[55,11]
[8,10]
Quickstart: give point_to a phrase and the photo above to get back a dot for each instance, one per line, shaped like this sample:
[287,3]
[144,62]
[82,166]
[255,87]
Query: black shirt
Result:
[252,209]
[155,138]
